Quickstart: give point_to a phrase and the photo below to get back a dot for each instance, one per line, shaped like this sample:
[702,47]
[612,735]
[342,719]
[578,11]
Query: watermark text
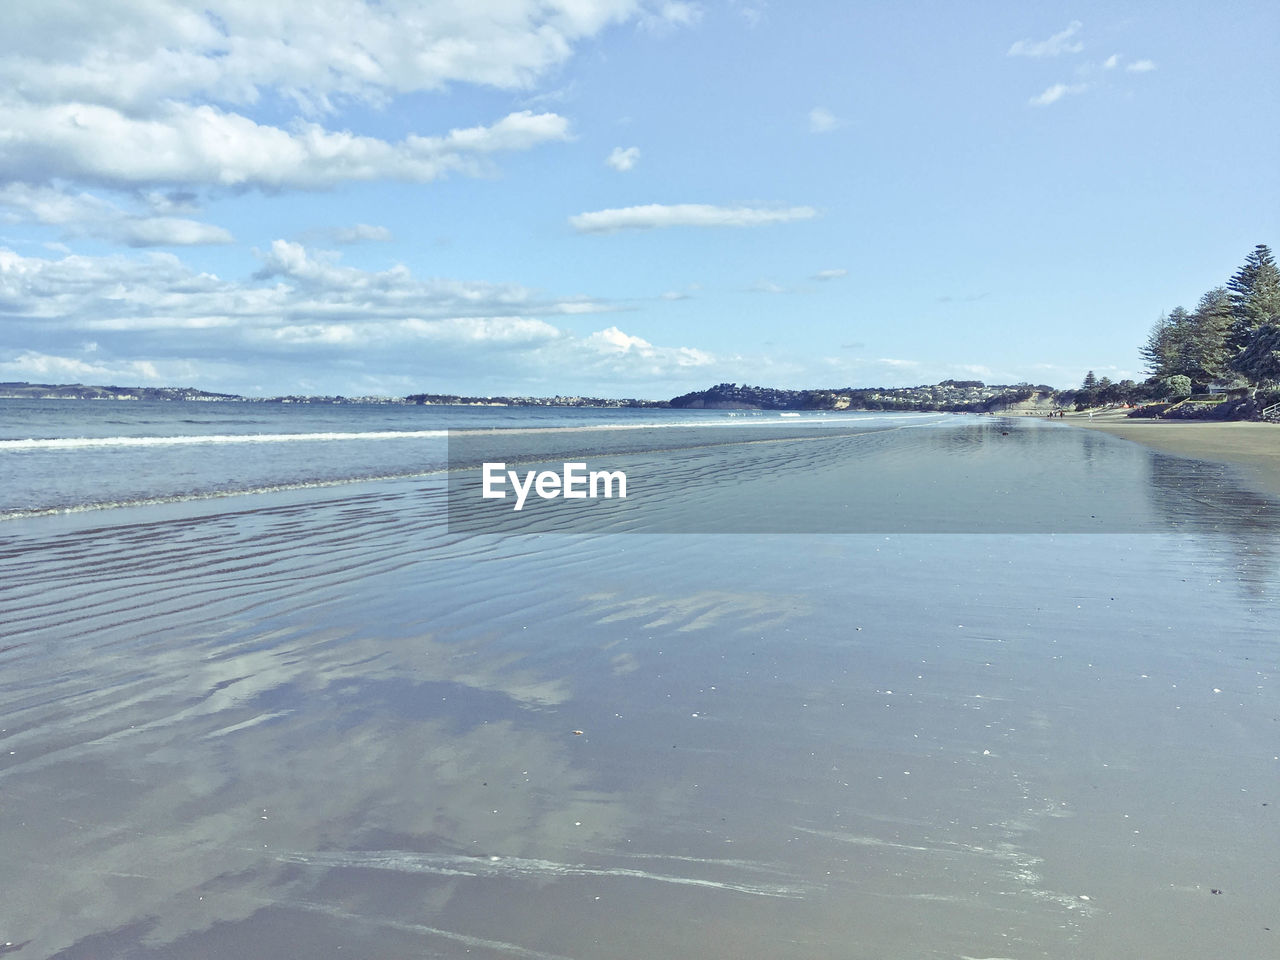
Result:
[574,482]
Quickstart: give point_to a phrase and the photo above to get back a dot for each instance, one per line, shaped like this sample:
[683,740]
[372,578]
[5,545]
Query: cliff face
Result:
[1040,403]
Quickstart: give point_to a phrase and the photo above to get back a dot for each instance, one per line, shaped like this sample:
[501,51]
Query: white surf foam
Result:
[80,443]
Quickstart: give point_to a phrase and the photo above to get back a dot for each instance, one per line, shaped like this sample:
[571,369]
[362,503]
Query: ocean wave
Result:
[80,443]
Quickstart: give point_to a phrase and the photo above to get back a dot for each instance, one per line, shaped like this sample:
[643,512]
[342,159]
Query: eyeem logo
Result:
[574,482]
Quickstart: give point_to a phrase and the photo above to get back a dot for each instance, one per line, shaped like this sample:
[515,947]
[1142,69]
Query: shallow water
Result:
[74,455]
[327,724]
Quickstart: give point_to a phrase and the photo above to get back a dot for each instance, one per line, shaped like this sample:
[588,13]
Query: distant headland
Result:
[80,391]
[948,396]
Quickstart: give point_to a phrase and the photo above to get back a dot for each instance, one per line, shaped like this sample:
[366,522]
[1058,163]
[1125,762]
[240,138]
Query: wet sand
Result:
[331,727]
[1253,446]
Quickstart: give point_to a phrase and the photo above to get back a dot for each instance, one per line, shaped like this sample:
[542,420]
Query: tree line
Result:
[1231,340]
[968,396]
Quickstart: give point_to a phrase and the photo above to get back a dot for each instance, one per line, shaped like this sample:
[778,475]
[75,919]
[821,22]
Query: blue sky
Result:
[620,197]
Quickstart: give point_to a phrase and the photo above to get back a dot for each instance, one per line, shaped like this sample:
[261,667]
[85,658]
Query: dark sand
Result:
[1251,445]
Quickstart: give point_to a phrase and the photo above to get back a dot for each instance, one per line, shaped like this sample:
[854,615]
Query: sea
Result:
[279,680]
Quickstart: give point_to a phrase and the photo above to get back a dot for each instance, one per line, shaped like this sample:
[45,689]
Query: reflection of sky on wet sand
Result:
[957,475]
[310,730]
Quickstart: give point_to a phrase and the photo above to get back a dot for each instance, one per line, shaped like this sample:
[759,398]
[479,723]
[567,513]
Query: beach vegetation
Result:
[1260,359]
[1209,356]
[1155,351]
[1228,342]
[1191,344]
[1254,290]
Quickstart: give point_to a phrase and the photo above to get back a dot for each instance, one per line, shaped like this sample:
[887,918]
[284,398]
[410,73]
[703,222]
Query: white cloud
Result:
[571,306]
[360,233]
[505,330]
[49,368]
[614,340]
[1056,92]
[162,99]
[767,286]
[85,213]
[204,145]
[315,283]
[623,159]
[170,232]
[835,274]
[1089,74]
[613,343]
[52,206]
[822,120]
[304,308]
[1062,42]
[656,215]
[158,291]
[474,331]
[137,55]
[118,120]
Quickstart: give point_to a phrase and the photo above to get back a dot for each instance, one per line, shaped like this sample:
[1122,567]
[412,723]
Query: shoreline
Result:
[1251,445]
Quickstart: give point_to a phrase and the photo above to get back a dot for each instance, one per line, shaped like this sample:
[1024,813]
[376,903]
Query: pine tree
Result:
[1090,381]
[1255,295]
[1168,351]
[1260,360]
[1154,350]
[1263,301]
[1210,331]
[1179,345]
[1242,281]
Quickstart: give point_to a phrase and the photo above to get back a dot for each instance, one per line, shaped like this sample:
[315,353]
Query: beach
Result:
[1254,446]
[600,480]
[330,720]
